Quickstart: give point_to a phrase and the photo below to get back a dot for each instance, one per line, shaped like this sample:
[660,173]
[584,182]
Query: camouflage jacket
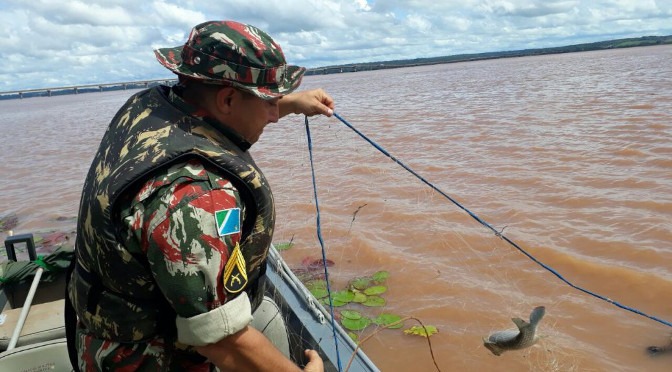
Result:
[115,288]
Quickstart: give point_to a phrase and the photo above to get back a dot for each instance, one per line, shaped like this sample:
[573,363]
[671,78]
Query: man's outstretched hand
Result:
[308,102]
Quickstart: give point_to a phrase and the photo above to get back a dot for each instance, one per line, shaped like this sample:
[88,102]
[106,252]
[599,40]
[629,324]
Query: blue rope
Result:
[498,233]
[319,237]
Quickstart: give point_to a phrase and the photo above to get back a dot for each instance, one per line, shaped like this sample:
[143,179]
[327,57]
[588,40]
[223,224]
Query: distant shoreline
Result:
[600,45]
[365,66]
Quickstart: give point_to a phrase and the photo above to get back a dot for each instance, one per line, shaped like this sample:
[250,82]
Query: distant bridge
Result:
[76,89]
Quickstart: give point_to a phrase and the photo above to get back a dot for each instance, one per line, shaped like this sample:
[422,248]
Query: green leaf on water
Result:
[353,336]
[381,276]
[355,324]
[351,314]
[318,288]
[359,297]
[361,283]
[319,292]
[425,331]
[283,246]
[375,290]
[386,319]
[317,283]
[374,301]
[345,296]
[336,303]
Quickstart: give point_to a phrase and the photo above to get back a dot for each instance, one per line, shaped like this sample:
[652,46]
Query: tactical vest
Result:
[112,289]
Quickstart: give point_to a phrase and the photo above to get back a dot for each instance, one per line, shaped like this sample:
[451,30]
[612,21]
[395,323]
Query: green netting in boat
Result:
[54,264]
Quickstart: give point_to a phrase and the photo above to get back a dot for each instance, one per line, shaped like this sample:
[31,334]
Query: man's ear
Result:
[224,99]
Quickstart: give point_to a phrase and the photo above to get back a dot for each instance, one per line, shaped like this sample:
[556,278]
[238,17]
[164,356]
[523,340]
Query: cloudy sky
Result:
[51,43]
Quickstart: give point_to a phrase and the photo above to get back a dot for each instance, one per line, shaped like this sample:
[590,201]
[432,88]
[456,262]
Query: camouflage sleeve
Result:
[190,226]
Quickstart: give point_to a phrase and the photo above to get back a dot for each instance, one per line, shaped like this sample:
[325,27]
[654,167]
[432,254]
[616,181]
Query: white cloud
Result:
[174,15]
[529,9]
[418,23]
[363,5]
[69,42]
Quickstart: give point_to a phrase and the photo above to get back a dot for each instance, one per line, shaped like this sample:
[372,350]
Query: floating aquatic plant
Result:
[380,276]
[354,320]
[283,246]
[363,291]
[340,298]
[318,288]
[360,283]
[425,331]
[375,290]
[374,301]
[391,321]
[359,297]
[351,314]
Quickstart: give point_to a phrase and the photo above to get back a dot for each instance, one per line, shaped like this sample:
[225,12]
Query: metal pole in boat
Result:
[25,309]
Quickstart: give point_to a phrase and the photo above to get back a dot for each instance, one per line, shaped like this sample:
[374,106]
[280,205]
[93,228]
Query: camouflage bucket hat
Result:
[232,53]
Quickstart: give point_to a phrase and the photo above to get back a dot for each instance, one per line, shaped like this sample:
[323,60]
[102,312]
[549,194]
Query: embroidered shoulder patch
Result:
[235,273]
[228,221]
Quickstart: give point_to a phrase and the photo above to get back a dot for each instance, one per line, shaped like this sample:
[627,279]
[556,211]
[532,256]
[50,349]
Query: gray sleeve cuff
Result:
[210,327]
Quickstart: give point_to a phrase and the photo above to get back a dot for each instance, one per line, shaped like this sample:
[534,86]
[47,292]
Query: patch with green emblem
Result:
[228,221]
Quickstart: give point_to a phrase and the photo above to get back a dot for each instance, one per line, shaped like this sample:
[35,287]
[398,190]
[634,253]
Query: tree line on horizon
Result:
[599,45]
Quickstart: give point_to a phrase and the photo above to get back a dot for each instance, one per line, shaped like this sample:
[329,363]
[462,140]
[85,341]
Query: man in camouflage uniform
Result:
[176,219]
